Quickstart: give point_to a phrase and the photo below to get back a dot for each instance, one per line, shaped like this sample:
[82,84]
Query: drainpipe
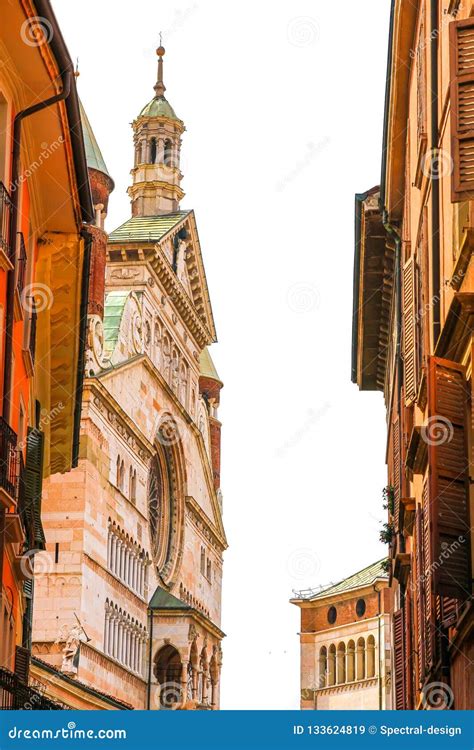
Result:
[7,369]
[435,267]
[85,282]
[150,653]
[380,647]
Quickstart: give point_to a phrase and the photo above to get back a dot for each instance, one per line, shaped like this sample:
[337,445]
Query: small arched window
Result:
[153,151]
[350,670]
[168,153]
[360,659]
[117,472]
[371,656]
[332,665]
[133,485]
[209,571]
[341,663]
[323,667]
[203,561]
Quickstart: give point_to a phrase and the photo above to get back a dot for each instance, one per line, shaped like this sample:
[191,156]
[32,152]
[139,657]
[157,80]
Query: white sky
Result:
[283,104]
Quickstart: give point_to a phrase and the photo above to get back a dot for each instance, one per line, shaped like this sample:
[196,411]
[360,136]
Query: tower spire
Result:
[160,87]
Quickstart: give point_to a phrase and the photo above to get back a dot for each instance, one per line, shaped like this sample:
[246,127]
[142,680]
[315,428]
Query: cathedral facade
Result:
[128,591]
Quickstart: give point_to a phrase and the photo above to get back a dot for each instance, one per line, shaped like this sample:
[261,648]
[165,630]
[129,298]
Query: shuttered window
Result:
[33,484]
[462,107]
[396,458]
[22,664]
[419,596]
[399,660]
[449,479]
[410,331]
[428,608]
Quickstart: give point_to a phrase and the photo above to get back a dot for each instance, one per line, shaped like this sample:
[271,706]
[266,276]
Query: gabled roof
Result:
[115,302]
[162,599]
[146,228]
[362,578]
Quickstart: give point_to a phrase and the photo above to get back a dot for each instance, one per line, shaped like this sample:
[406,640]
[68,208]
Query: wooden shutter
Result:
[407,626]
[449,479]
[399,659]
[396,458]
[22,663]
[462,108]
[428,603]
[420,601]
[409,331]
[34,485]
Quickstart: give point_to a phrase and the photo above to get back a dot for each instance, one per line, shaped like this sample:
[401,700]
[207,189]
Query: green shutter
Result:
[34,485]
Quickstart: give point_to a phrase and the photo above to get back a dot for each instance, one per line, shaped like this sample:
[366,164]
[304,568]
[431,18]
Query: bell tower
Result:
[156,174]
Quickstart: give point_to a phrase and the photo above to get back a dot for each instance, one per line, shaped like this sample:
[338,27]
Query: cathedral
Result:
[128,590]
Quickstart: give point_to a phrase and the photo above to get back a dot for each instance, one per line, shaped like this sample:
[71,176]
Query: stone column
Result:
[184,681]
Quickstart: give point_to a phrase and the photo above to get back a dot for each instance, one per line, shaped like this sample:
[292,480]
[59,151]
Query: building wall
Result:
[361,681]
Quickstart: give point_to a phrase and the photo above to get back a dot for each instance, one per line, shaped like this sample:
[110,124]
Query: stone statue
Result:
[71,651]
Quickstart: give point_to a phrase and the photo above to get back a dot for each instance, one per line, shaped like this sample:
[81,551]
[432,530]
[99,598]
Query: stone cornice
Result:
[205,525]
[97,394]
[204,621]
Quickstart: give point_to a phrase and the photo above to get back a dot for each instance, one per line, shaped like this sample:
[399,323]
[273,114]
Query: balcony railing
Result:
[5,214]
[22,259]
[16,696]
[8,458]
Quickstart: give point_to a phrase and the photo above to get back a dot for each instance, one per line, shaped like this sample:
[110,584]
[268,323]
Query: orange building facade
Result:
[45,205]
[413,340]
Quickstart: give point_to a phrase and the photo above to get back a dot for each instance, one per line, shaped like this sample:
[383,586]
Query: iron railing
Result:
[8,458]
[5,214]
[21,261]
[16,696]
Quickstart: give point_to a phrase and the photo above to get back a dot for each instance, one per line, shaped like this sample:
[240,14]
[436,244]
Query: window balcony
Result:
[8,464]
[15,695]
[21,261]
[6,250]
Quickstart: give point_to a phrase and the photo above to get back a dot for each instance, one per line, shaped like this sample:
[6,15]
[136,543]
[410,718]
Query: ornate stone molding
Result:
[205,526]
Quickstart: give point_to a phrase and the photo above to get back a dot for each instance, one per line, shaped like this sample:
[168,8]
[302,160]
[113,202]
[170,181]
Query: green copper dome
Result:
[159,107]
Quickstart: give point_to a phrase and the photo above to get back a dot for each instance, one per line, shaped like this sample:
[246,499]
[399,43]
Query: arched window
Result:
[371,656]
[332,665]
[209,571]
[167,671]
[117,472]
[168,153]
[121,475]
[341,663]
[203,561]
[323,667]
[360,659]
[350,664]
[153,151]
[133,485]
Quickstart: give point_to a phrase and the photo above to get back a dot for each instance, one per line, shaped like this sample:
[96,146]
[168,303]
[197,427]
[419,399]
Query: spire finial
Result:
[76,72]
[160,87]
